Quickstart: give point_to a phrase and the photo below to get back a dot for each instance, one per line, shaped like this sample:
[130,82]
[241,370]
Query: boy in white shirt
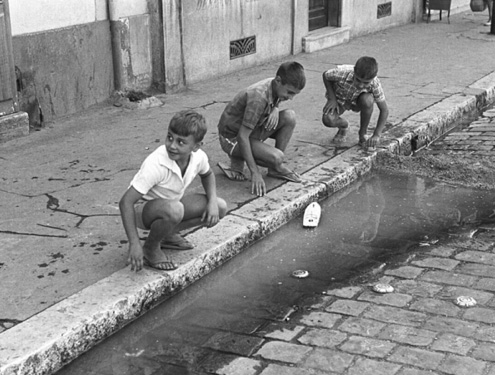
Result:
[155,199]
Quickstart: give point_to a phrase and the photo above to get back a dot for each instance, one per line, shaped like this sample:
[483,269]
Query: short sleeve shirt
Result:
[160,177]
[250,108]
[347,94]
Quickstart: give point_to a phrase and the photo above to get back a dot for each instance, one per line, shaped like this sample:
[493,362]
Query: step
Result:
[13,126]
[325,38]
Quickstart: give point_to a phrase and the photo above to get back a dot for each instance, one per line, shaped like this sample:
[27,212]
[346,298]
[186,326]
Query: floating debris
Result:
[137,354]
[300,274]
[383,288]
[287,315]
[465,301]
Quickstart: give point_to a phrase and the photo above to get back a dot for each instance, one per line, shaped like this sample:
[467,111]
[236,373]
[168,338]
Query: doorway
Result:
[323,13]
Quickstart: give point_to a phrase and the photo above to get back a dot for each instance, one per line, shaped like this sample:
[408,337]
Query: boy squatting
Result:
[354,88]
[251,118]
[155,199]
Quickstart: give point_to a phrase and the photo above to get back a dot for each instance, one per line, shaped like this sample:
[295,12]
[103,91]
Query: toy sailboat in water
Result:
[312,215]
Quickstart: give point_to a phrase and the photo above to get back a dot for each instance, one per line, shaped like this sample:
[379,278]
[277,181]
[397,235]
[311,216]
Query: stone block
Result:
[417,357]
[408,335]
[13,126]
[325,38]
[283,352]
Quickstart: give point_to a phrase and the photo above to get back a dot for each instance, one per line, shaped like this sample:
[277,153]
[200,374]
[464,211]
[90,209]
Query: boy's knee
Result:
[222,207]
[329,120]
[171,211]
[365,101]
[276,158]
[287,117]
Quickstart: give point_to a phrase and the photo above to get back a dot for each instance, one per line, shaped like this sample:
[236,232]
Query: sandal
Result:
[340,137]
[289,176]
[176,242]
[230,173]
[163,265]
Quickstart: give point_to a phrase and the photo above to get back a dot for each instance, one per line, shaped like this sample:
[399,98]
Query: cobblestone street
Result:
[477,139]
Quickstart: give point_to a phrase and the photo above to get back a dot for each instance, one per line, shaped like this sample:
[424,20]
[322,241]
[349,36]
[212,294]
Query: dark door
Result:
[318,14]
[8,88]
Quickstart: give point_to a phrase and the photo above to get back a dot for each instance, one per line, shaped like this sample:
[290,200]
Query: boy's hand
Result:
[257,184]
[272,120]
[135,258]
[330,106]
[211,215]
[373,141]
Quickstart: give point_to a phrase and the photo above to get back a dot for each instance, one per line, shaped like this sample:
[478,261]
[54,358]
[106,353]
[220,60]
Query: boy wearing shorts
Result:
[251,118]
[155,199]
[354,88]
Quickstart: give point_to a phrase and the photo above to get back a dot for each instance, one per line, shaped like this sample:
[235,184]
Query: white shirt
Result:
[160,177]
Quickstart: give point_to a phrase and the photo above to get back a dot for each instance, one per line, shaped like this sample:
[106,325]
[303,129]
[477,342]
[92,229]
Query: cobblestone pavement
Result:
[477,139]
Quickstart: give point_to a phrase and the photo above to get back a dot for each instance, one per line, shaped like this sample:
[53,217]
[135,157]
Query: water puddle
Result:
[362,228]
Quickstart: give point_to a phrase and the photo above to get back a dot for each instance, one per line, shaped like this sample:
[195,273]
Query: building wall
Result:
[63,51]
[202,51]
[67,69]
[361,16]
[74,53]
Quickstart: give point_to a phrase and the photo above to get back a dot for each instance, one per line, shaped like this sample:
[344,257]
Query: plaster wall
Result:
[74,53]
[66,69]
[33,16]
[361,16]
[210,25]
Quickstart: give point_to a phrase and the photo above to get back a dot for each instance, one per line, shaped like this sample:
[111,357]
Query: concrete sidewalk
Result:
[62,259]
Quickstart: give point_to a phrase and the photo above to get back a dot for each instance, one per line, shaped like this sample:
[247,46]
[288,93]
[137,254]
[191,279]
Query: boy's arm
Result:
[257,183]
[211,214]
[380,125]
[330,95]
[127,213]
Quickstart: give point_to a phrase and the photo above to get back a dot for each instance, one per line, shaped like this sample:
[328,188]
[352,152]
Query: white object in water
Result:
[300,274]
[312,215]
[383,288]
[465,301]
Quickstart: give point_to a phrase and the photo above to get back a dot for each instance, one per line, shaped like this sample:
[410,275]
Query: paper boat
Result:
[312,215]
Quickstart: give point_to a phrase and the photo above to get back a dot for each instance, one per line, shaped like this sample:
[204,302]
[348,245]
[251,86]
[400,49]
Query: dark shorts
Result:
[229,145]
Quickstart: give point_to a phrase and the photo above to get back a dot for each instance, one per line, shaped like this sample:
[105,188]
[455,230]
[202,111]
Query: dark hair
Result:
[188,122]
[292,73]
[366,67]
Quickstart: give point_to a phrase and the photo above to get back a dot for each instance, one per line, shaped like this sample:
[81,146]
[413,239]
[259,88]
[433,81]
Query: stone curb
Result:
[54,337]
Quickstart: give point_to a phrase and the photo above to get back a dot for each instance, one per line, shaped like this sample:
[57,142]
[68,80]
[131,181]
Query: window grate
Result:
[242,47]
[384,10]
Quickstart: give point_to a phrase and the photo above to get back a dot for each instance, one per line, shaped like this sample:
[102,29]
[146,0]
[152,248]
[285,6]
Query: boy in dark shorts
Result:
[354,88]
[155,199]
[251,118]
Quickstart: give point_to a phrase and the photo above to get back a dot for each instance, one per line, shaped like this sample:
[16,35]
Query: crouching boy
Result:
[155,199]
[355,88]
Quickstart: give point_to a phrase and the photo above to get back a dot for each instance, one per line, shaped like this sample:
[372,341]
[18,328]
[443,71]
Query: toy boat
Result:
[312,215]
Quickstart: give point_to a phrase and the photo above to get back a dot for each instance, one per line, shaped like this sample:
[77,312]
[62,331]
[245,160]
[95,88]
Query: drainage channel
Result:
[226,317]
